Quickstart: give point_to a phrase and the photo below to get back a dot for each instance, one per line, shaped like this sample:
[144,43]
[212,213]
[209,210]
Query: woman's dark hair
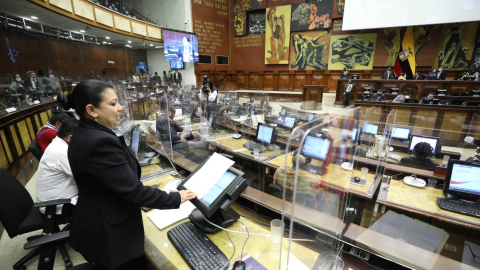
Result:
[86,92]
[423,150]
[210,84]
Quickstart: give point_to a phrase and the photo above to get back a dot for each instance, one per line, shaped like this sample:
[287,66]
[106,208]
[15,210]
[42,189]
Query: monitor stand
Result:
[222,218]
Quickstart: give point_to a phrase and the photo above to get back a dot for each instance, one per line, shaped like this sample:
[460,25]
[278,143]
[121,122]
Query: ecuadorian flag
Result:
[406,57]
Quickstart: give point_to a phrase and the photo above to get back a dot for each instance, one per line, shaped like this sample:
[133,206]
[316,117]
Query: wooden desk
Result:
[235,146]
[424,202]
[162,254]
[313,93]
[336,176]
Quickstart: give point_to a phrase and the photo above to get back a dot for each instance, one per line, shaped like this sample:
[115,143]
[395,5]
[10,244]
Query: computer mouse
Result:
[239,265]
[356,179]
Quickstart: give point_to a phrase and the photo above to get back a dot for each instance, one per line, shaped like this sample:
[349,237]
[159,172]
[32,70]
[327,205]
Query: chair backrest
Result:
[36,150]
[15,202]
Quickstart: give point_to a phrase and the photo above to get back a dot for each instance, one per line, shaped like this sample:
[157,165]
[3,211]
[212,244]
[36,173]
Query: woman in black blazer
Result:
[106,226]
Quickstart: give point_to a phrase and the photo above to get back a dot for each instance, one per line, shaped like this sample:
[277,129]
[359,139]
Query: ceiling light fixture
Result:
[107,37]
[104,42]
[151,45]
[34,17]
[129,41]
[82,31]
[109,43]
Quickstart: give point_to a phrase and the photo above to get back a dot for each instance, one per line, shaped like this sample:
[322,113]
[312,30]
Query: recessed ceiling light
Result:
[129,41]
[82,31]
[109,43]
[34,17]
[151,45]
[104,42]
[28,27]
[107,37]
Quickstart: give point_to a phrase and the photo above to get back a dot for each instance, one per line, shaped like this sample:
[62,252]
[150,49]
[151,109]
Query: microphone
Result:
[236,135]
[171,163]
[3,105]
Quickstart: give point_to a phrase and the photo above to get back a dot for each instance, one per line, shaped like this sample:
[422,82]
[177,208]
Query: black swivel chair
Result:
[20,215]
[35,149]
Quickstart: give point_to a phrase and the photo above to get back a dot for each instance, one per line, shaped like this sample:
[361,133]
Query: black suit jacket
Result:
[380,97]
[177,76]
[28,84]
[443,75]
[106,226]
[386,75]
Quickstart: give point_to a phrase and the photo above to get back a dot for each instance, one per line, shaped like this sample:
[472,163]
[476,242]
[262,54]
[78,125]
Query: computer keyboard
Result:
[252,146]
[459,206]
[316,169]
[196,249]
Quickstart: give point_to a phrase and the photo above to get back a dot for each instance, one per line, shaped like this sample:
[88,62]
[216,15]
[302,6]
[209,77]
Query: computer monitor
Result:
[283,112]
[457,102]
[445,102]
[316,147]
[310,117]
[394,90]
[279,120]
[461,179]
[265,134]
[135,142]
[370,129]
[410,100]
[355,77]
[475,93]
[441,92]
[214,203]
[400,133]
[435,143]
[289,122]
[431,101]
[473,103]
[367,89]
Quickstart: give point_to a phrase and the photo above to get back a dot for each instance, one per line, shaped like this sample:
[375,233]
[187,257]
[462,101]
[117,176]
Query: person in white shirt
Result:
[208,97]
[54,176]
[135,78]
[477,72]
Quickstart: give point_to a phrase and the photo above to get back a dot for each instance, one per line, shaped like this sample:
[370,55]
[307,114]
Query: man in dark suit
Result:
[379,96]
[441,74]
[388,73]
[157,79]
[417,76]
[33,85]
[177,78]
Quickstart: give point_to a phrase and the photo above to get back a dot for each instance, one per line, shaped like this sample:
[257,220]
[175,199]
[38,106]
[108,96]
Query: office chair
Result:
[19,215]
[36,150]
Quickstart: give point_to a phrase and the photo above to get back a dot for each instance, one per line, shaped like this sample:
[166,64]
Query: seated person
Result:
[422,152]
[388,74]
[344,73]
[427,98]
[16,84]
[475,74]
[46,134]
[417,76]
[169,130]
[379,96]
[54,176]
[464,75]
[432,75]
[476,158]
[403,76]
[401,97]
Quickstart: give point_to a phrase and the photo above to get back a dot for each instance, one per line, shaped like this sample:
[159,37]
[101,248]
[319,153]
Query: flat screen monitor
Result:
[400,133]
[180,47]
[394,90]
[441,92]
[410,100]
[176,65]
[135,142]
[418,139]
[462,177]
[264,134]
[289,122]
[370,129]
[316,147]
[279,120]
[283,112]
[310,117]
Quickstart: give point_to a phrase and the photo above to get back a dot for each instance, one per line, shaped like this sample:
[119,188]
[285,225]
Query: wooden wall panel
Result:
[44,118]
[65,59]
[3,158]
[268,81]
[403,116]
[283,82]
[299,80]
[7,149]
[37,121]
[93,58]
[22,128]
[241,81]
[31,131]
[254,81]
[16,140]
[29,47]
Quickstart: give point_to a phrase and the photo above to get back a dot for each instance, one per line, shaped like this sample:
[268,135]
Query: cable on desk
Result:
[233,246]
[248,235]
[268,236]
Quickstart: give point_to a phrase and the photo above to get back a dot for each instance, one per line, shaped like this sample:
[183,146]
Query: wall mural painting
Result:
[352,51]
[338,7]
[242,5]
[422,35]
[276,3]
[277,35]
[311,16]
[240,23]
[457,45]
[256,22]
[391,41]
[309,50]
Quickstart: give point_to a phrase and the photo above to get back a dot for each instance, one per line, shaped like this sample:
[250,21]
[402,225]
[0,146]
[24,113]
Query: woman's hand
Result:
[186,195]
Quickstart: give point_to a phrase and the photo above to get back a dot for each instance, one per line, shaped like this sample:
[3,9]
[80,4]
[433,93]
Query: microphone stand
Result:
[236,135]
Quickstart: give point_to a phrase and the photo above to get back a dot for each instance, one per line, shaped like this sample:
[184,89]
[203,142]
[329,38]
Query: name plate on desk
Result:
[9,110]
[36,102]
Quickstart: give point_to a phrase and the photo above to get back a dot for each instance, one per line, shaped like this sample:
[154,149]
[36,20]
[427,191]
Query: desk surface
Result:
[164,255]
[335,175]
[422,201]
[235,146]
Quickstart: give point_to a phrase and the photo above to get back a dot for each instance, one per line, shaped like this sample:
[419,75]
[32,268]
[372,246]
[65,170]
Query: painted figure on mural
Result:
[351,51]
[356,59]
[308,52]
[422,35]
[277,40]
[453,53]
[343,44]
[242,5]
[340,6]
[391,40]
[240,20]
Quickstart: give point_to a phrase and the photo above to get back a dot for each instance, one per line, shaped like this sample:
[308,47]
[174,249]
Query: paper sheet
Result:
[164,218]
[205,178]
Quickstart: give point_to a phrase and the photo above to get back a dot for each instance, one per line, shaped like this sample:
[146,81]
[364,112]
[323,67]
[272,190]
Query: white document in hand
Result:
[205,178]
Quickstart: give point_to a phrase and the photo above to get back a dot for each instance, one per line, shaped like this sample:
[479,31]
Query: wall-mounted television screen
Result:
[176,65]
[180,47]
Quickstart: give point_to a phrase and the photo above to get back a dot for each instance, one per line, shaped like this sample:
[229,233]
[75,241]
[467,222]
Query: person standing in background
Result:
[441,74]
[177,77]
[344,73]
[387,74]
[347,91]
[165,80]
